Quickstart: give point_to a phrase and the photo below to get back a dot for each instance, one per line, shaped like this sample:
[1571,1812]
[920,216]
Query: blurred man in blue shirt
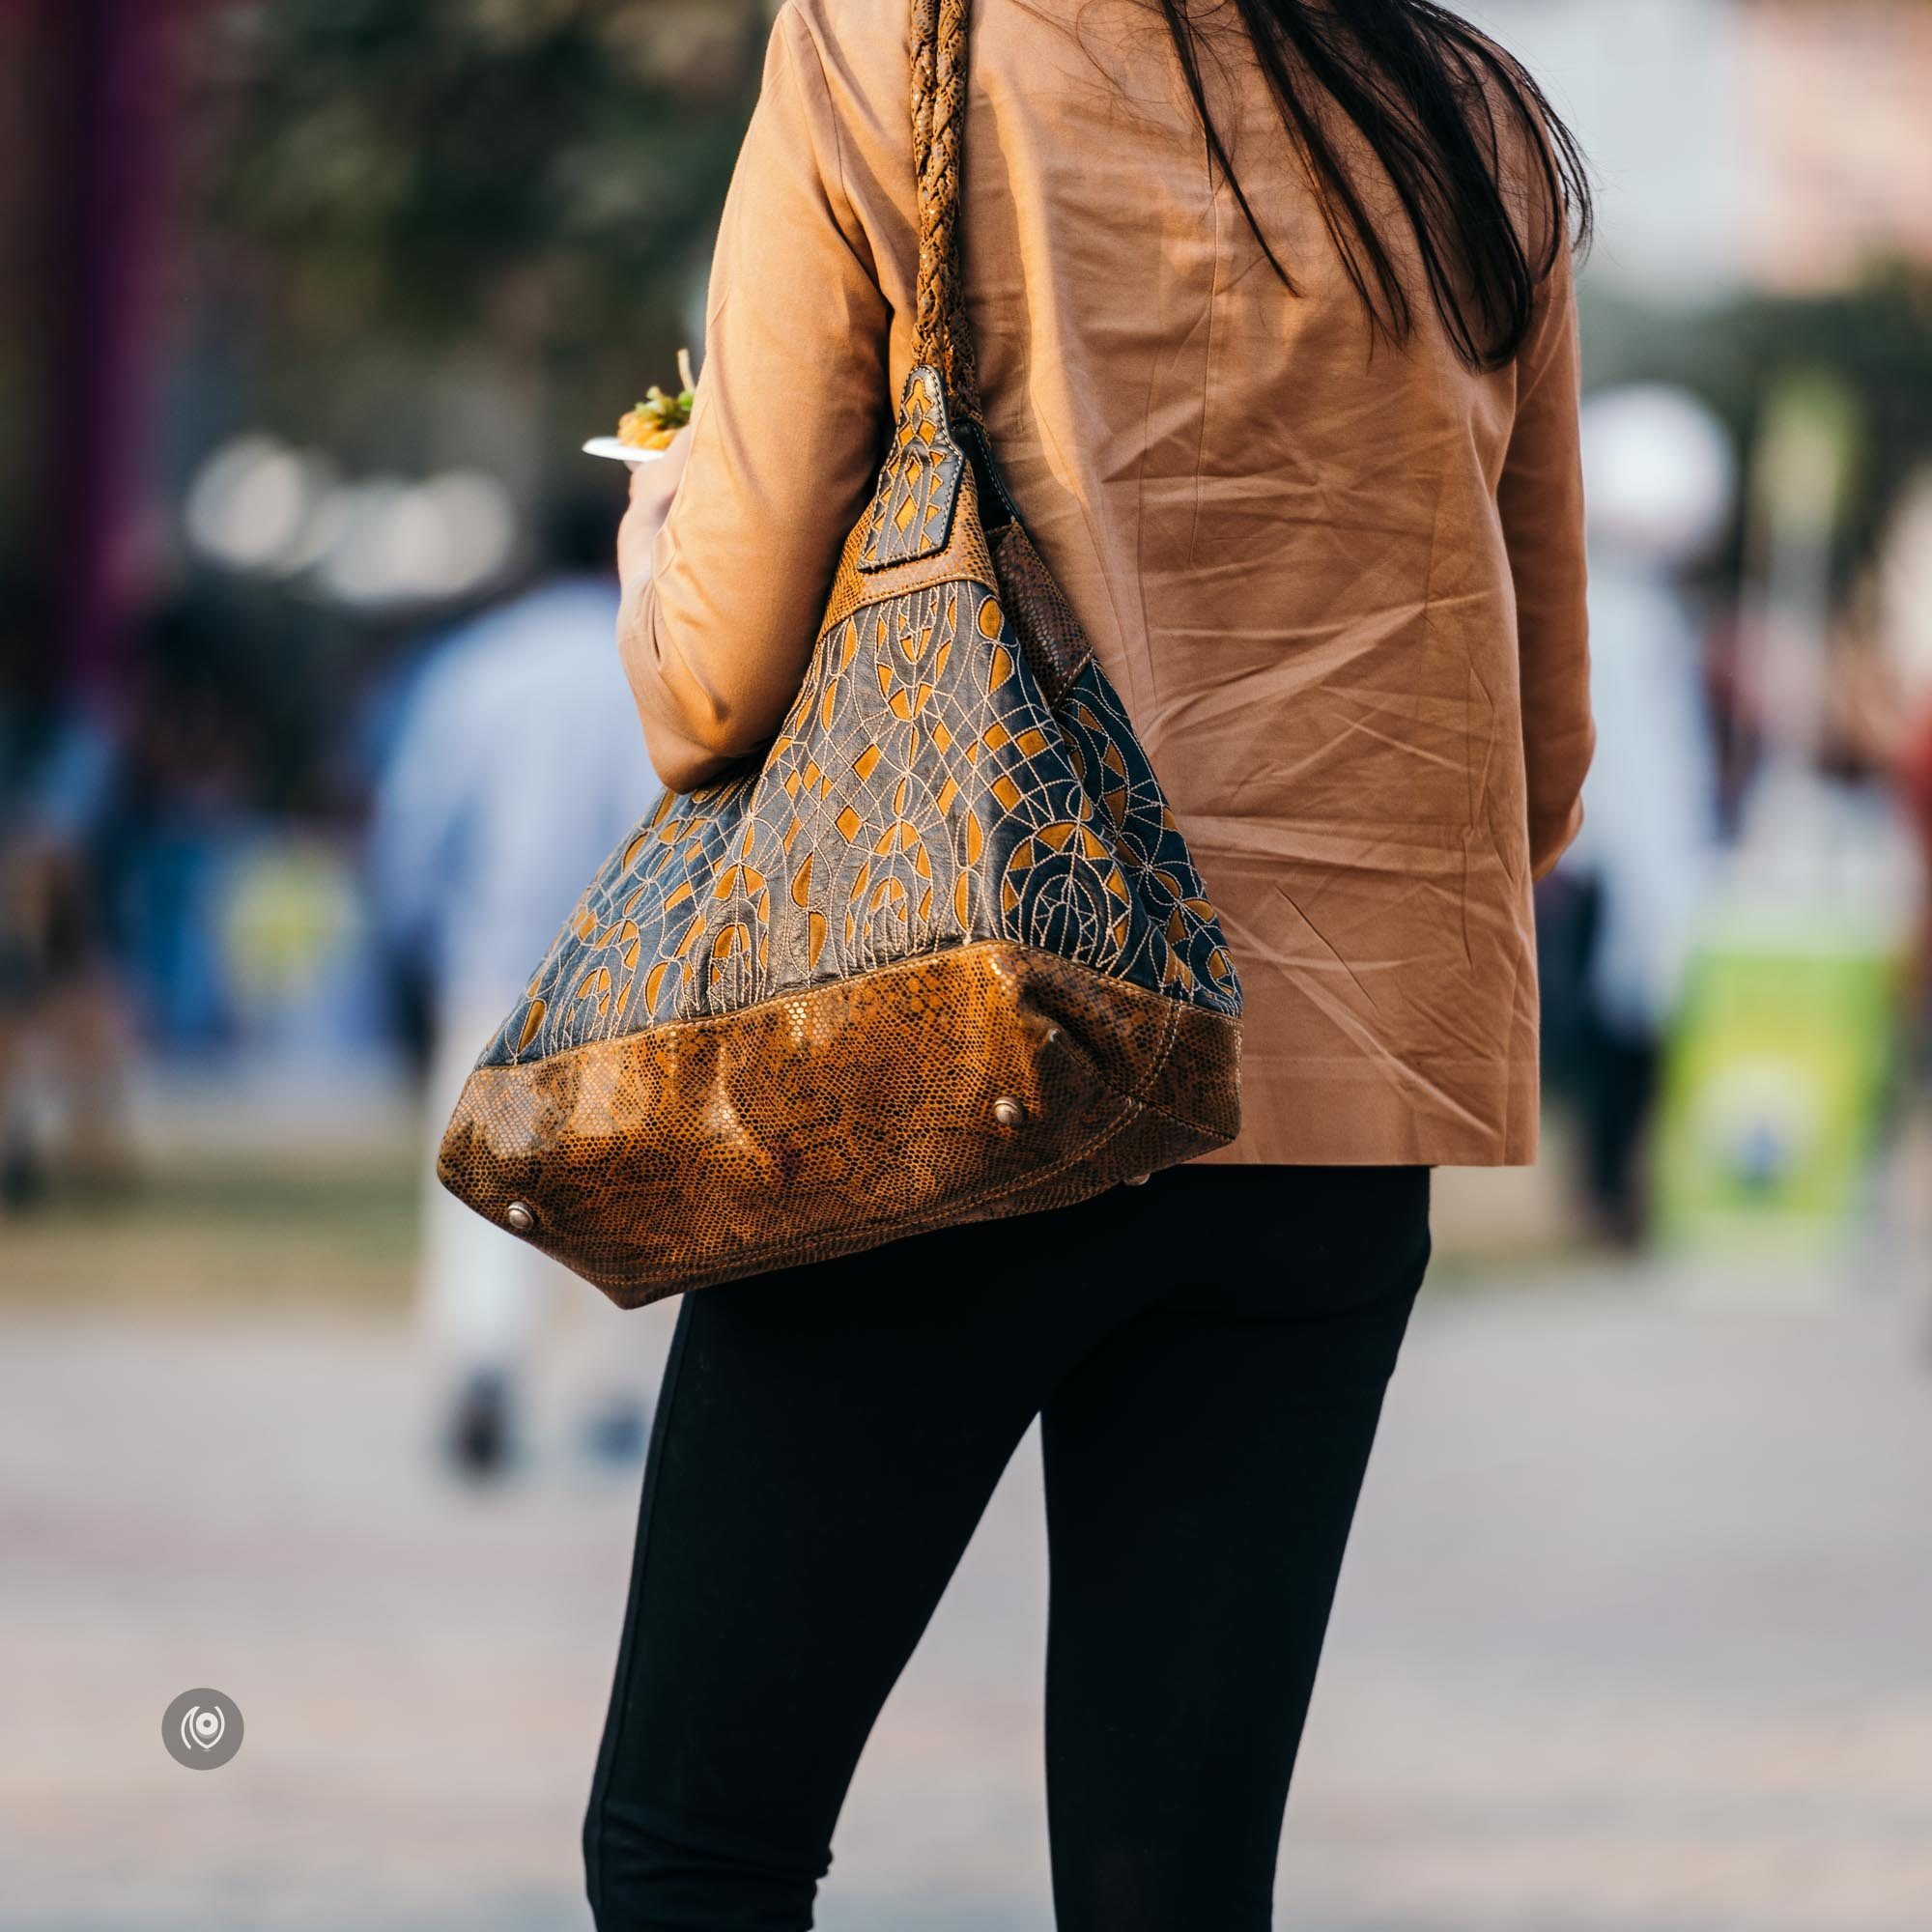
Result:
[518,766]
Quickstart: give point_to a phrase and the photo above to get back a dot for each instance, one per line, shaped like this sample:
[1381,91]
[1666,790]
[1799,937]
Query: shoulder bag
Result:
[942,956]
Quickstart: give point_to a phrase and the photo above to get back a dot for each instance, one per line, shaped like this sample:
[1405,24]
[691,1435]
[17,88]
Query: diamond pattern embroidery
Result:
[912,510]
[922,793]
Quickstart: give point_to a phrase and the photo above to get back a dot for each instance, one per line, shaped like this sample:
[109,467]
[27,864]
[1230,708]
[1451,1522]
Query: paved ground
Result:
[1633,1638]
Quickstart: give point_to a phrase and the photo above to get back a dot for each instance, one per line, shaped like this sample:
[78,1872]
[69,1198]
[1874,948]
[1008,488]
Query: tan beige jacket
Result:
[1340,586]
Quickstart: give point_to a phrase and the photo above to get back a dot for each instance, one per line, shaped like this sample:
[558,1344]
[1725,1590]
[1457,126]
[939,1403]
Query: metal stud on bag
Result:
[1008,1112]
[518,1218]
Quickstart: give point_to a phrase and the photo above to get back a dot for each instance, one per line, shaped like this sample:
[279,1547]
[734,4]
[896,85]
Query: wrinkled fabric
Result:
[1340,585]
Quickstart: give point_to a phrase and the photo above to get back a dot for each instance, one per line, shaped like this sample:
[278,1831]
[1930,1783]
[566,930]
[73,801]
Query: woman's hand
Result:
[683,760]
[653,485]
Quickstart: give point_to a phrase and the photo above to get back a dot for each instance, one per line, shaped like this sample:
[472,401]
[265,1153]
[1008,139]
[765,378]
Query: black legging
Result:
[1207,1356]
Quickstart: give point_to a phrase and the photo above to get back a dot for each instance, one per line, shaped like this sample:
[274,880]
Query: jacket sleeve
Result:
[1541,497]
[787,428]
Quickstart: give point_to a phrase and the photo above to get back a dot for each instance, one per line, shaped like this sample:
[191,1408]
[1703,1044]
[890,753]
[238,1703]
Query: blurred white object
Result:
[620,452]
[393,542]
[258,506]
[251,501]
[1659,477]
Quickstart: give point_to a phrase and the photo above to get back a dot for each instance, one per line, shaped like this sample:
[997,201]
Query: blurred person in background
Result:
[1915,775]
[1287,395]
[516,766]
[1660,480]
[63,1032]
[1904,636]
[213,750]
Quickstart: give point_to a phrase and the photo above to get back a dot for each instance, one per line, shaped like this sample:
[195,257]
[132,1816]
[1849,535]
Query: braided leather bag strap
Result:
[942,335]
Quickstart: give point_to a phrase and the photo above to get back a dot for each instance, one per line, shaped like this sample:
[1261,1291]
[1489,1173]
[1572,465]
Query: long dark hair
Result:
[1439,103]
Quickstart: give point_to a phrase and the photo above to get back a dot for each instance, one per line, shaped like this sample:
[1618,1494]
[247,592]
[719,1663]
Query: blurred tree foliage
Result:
[424,232]
[1873,340]
[427,170]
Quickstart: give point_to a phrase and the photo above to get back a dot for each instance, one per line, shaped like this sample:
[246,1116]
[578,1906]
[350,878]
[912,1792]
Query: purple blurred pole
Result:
[110,104]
